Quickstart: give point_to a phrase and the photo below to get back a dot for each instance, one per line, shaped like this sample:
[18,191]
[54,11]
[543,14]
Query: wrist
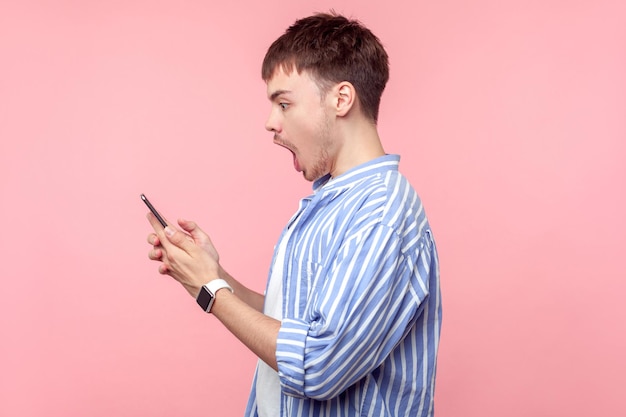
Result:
[208,292]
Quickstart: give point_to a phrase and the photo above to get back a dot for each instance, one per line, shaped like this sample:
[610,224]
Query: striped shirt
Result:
[361,300]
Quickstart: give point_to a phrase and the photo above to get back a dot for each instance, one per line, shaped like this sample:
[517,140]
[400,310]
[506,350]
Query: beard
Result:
[322,163]
[320,167]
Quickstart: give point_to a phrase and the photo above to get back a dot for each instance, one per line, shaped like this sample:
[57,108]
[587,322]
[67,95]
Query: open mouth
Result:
[283,144]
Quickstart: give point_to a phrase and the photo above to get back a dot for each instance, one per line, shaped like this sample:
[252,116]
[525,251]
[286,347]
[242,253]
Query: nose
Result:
[271,124]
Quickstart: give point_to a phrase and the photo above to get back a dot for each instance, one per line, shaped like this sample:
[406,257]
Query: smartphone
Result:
[153,210]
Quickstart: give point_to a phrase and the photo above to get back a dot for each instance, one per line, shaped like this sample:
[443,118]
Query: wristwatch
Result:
[206,297]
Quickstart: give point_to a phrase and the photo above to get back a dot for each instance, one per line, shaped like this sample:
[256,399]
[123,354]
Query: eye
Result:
[283,106]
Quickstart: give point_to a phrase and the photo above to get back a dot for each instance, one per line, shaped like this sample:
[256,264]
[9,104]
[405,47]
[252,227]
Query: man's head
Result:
[332,49]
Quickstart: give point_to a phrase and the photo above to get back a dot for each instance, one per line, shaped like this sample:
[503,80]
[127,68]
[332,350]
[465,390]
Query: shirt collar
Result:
[375,166]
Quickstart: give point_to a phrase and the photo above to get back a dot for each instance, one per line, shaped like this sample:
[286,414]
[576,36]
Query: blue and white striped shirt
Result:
[362,301]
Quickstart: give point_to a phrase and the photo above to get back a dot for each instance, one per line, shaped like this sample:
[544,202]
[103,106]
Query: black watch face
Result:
[204,298]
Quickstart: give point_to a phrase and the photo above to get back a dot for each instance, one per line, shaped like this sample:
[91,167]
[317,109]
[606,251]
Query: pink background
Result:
[511,120]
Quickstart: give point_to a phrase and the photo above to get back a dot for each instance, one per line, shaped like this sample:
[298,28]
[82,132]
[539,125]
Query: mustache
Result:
[280,141]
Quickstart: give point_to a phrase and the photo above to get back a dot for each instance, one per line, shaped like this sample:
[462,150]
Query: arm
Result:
[251,298]
[255,330]
[191,260]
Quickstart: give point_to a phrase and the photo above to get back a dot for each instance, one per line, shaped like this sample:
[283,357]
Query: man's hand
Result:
[200,238]
[190,258]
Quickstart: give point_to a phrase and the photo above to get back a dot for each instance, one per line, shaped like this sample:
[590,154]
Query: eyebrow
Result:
[278,93]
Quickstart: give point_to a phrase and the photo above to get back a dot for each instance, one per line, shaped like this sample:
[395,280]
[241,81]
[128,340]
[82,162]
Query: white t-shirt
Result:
[267,382]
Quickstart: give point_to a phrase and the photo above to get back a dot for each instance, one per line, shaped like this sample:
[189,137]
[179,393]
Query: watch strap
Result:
[217,284]
[206,297]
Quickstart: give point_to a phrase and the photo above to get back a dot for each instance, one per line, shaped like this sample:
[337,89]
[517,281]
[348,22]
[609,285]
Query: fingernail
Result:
[169,231]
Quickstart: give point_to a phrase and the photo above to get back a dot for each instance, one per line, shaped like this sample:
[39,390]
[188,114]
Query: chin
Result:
[314,176]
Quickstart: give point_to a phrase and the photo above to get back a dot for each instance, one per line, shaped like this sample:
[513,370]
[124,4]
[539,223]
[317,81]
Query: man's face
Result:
[301,121]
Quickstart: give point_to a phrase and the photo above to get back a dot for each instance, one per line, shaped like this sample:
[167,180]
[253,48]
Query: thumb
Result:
[178,238]
[192,228]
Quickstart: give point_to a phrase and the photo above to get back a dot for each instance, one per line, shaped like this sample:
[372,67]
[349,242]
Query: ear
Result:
[345,98]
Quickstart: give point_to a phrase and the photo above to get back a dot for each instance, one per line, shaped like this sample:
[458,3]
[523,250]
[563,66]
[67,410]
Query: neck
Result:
[360,143]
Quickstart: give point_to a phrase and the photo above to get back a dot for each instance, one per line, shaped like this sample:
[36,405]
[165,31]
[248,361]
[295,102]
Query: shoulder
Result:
[392,197]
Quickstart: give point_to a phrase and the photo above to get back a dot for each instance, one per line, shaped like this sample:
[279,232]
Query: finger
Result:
[192,228]
[153,239]
[188,225]
[156,225]
[159,231]
[155,254]
[179,239]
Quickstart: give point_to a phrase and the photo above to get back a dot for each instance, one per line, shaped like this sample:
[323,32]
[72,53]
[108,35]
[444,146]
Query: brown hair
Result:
[332,48]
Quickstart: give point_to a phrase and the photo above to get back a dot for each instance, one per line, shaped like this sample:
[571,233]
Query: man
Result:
[350,322]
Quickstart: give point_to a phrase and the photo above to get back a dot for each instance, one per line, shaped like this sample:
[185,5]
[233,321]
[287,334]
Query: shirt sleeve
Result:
[368,300]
